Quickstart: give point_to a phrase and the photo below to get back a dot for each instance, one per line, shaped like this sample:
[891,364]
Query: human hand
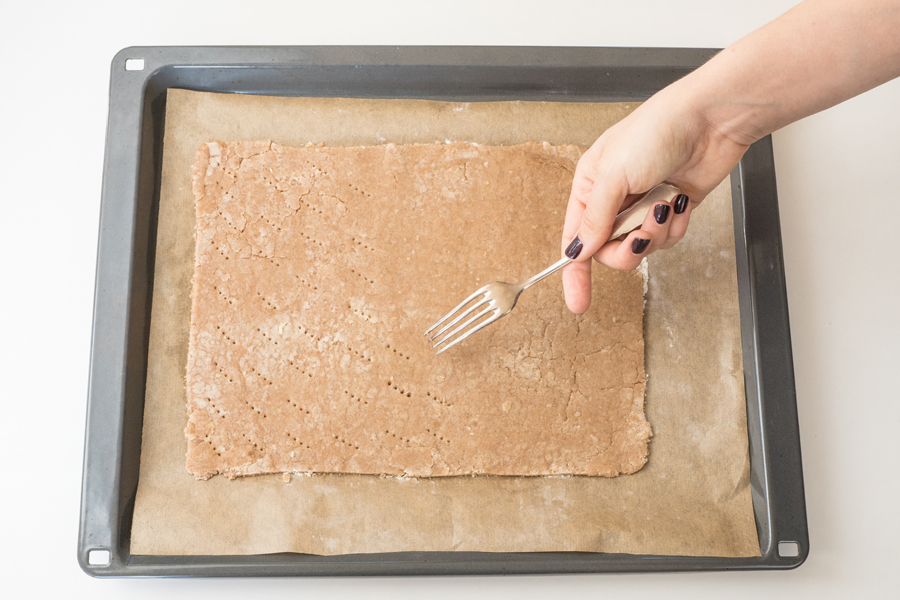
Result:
[666,139]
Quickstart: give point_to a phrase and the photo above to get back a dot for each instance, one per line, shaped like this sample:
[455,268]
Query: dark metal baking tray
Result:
[124,280]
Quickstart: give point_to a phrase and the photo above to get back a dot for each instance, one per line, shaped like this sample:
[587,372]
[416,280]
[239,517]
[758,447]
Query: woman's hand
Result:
[695,131]
[665,139]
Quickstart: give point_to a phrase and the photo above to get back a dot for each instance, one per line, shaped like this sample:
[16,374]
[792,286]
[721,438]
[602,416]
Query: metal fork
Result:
[499,298]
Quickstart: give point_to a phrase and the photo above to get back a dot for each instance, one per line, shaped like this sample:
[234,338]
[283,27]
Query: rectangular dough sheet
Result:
[317,271]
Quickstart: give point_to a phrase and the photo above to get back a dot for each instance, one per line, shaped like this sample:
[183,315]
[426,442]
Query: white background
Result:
[838,181]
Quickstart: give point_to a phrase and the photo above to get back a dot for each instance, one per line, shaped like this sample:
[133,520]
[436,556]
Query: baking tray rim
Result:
[121,302]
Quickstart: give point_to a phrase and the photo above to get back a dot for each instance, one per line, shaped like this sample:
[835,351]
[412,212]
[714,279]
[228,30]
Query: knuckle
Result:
[670,241]
[674,238]
[591,223]
[587,162]
[625,264]
[634,261]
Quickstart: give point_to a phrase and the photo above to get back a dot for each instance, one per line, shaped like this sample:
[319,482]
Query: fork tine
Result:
[470,332]
[446,337]
[474,307]
[459,306]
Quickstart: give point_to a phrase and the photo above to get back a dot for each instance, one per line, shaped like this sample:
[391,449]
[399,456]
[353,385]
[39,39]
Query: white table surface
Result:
[838,180]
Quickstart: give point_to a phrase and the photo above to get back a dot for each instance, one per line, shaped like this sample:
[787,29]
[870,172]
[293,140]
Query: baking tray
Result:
[140,78]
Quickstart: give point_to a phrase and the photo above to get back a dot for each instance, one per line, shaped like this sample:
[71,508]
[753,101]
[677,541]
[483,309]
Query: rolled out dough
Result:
[317,271]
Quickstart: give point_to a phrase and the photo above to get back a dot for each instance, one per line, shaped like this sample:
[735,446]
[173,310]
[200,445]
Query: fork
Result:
[499,298]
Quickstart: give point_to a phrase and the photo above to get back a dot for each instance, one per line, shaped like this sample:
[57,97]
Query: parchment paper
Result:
[693,496]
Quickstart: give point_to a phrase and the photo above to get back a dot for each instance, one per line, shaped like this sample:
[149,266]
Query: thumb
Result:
[597,217]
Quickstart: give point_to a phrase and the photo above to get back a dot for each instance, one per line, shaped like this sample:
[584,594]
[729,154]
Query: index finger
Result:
[577,275]
[588,224]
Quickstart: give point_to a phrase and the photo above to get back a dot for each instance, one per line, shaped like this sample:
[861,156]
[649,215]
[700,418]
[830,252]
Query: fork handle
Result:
[548,271]
[632,217]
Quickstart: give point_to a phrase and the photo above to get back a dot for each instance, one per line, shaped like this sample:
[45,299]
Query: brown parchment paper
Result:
[693,496]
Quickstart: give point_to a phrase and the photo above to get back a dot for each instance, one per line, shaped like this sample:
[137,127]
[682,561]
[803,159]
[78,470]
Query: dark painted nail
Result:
[574,249]
[680,204]
[639,245]
[661,213]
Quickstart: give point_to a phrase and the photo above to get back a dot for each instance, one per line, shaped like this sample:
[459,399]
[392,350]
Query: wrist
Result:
[722,108]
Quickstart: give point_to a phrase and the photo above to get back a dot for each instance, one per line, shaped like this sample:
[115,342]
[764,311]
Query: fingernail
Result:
[680,204]
[661,213]
[639,245]
[574,249]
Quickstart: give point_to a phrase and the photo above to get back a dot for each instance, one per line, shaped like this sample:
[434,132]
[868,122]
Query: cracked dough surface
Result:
[318,269]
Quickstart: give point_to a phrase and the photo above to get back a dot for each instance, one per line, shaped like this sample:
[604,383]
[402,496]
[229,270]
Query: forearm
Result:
[818,54]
